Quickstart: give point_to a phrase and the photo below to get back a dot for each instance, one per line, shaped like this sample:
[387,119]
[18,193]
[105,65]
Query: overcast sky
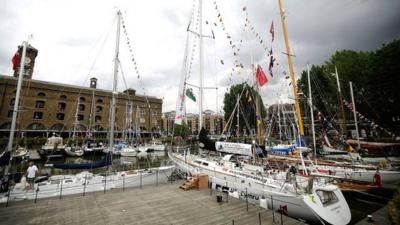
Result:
[76,40]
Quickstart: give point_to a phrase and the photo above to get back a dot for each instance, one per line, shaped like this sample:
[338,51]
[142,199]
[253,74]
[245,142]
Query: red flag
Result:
[15,60]
[262,79]
[271,30]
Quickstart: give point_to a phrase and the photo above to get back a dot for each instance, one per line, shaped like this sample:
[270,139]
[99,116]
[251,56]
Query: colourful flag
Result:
[262,79]
[15,60]
[189,94]
[271,30]
[271,65]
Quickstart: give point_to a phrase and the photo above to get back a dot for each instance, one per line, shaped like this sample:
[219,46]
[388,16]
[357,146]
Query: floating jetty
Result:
[150,205]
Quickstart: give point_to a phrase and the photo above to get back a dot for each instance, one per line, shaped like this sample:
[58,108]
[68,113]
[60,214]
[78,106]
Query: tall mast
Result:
[201,64]
[114,92]
[76,118]
[355,115]
[16,103]
[91,114]
[238,117]
[343,122]
[292,78]
[311,111]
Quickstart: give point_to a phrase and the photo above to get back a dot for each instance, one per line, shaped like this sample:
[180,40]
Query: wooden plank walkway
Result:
[165,204]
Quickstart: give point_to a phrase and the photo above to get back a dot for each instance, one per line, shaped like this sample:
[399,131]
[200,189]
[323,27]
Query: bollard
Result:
[123,183]
[61,187]
[273,211]
[140,180]
[259,218]
[9,192]
[247,201]
[227,192]
[84,186]
[210,185]
[37,192]
[233,222]
[105,183]
[281,215]
[157,178]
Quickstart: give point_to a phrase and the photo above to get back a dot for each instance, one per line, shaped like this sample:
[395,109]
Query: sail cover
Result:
[234,148]
[105,161]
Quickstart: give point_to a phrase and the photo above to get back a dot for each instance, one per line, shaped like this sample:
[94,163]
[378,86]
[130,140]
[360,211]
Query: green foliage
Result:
[375,76]
[394,208]
[181,130]
[247,104]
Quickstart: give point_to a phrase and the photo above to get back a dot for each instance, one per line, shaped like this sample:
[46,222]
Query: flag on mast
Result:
[271,30]
[262,79]
[189,94]
[15,60]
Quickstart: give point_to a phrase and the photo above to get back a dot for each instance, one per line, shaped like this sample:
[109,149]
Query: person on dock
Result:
[31,174]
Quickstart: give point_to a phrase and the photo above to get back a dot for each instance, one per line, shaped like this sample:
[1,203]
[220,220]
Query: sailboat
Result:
[86,181]
[74,149]
[315,202]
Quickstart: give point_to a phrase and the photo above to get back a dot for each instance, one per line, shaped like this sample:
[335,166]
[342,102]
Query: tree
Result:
[375,78]
[247,105]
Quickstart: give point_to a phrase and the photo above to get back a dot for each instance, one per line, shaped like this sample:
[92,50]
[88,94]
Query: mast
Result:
[355,115]
[114,92]
[237,116]
[292,78]
[91,114]
[16,103]
[311,111]
[76,118]
[201,64]
[343,122]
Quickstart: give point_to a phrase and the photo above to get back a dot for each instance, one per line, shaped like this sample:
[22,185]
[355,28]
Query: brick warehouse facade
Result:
[51,107]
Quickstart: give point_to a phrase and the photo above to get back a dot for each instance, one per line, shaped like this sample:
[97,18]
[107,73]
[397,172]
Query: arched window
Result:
[99,100]
[62,106]
[36,126]
[60,116]
[82,99]
[38,115]
[39,104]
[80,117]
[97,119]
[81,107]
[63,97]
[57,127]
[12,102]
[41,94]
[99,109]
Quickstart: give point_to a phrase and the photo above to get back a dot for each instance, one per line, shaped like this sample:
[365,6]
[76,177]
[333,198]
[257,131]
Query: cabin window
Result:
[10,113]
[55,182]
[60,116]
[63,97]
[41,94]
[81,107]
[12,102]
[80,117]
[99,109]
[37,115]
[39,104]
[204,163]
[62,106]
[327,197]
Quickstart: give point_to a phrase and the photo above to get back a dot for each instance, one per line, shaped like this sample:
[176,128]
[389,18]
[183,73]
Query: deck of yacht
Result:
[165,204]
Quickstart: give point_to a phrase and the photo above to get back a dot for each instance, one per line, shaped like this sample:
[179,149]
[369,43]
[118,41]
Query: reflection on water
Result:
[120,163]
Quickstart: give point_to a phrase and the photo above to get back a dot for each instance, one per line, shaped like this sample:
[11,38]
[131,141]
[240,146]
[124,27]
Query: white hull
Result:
[128,152]
[74,153]
[152,147]
[300,206]
[74,184]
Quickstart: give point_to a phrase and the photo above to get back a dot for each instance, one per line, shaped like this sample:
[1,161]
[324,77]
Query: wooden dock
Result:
[151,205]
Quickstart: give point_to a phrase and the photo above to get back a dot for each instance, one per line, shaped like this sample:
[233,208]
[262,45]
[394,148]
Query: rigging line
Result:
[123,79]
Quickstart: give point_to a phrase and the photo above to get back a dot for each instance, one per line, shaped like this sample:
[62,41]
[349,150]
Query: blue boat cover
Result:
[106,161]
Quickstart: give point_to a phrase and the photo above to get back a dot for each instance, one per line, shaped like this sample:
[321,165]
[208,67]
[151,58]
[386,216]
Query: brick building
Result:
[51,107]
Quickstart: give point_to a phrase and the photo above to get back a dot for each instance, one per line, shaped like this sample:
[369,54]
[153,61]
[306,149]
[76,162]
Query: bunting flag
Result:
[271,30]
[15,60]
[189,94]
[262,79]
[271,65]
